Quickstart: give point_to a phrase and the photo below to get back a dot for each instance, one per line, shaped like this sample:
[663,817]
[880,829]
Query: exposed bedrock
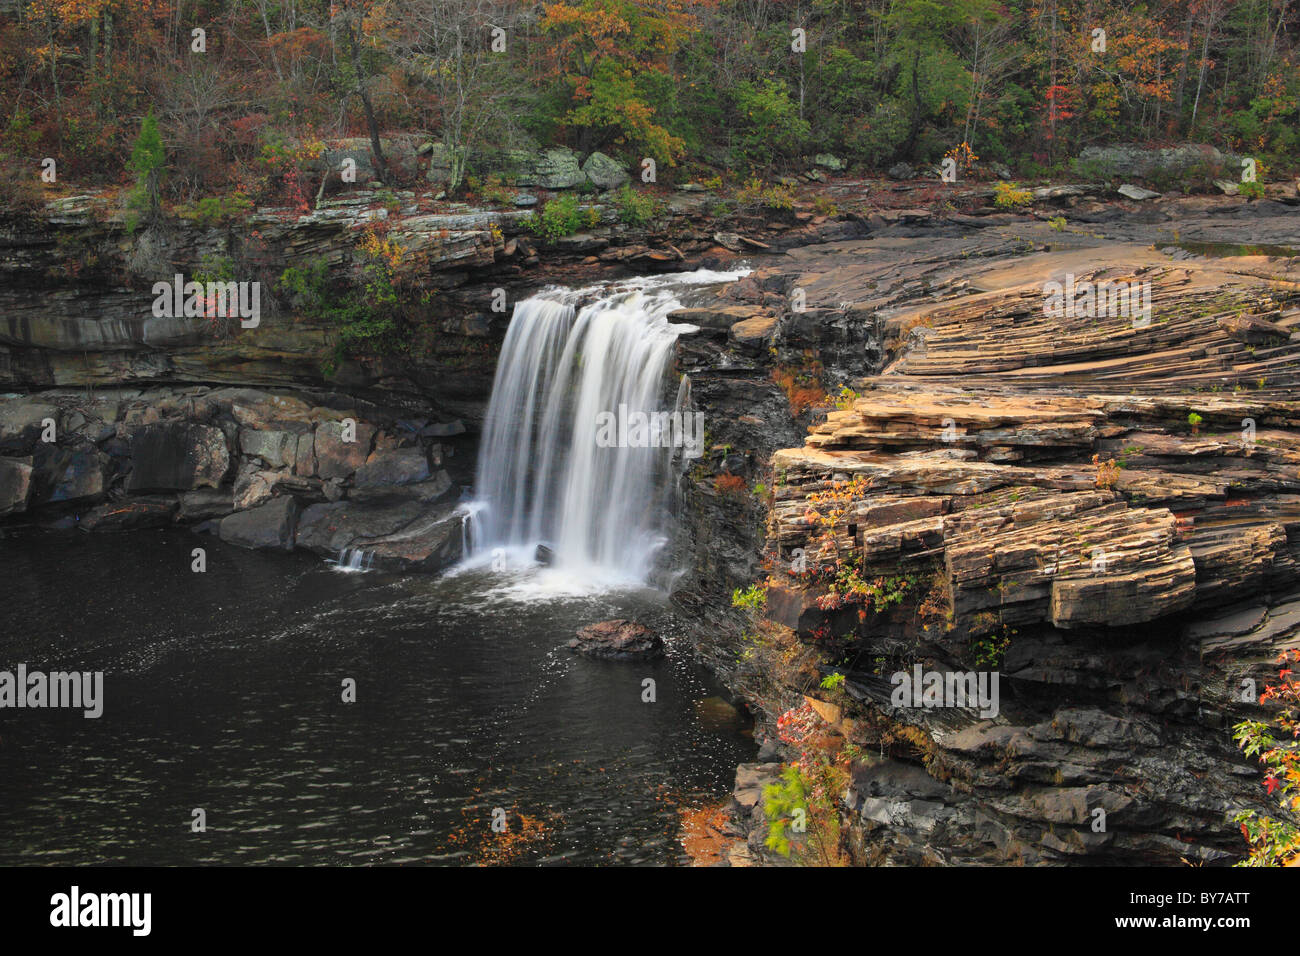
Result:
[76,289]
[263,469]
[1103,508]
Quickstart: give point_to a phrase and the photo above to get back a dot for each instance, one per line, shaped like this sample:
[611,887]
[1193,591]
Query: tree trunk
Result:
[372,123]
[915,128]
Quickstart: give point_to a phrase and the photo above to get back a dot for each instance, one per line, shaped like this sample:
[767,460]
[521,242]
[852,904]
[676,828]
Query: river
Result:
[223,691]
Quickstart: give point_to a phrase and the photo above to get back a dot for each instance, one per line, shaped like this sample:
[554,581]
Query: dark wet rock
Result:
[67,473]
[203,504]
[443,429]
[270,526]
[544,555]
[617,640]
[15,484]
[130,514]
[429,490]
[330,528]
[431,542]
[177,456]
[393,466]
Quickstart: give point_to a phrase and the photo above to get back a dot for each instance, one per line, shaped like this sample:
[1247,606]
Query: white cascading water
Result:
[543,477]
[354,559]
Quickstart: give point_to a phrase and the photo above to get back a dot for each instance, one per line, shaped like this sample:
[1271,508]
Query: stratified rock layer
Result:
[1103,507]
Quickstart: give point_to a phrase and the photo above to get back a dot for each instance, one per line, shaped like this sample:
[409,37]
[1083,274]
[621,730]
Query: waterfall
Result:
[563,462]
[354,559]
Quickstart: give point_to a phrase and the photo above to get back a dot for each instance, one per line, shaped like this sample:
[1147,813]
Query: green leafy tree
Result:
[148,158]
[920,27]
[768,122]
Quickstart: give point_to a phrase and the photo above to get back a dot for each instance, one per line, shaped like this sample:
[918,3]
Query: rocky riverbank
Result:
[262,469]
[1106,509]
[1103,509]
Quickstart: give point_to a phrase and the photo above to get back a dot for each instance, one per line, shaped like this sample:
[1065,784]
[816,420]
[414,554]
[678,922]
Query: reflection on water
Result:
[223,691]
[1227,250]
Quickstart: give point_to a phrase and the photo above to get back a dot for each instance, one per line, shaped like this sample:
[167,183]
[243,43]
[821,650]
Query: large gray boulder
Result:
[275,447]
[393,466]
[177,456]
[604,172]
[440,163]
[269,526]
[401,153]
[336,458]
[356,149]
[21,421]
[1137,193]
[555,168]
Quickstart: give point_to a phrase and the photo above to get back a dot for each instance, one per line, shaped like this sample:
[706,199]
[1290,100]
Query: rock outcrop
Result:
[274,470]
[618,640]
[1102,507]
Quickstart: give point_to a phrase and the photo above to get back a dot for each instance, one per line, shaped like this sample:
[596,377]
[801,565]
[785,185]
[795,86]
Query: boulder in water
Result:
[271,525]
[618,640]
[544,555]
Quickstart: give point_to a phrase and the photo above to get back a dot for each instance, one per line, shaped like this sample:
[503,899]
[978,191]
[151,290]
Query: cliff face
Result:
[1103,509]
[319,471]
[76,289]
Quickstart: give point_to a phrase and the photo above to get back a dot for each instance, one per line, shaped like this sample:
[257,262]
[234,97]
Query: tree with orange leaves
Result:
[609,55]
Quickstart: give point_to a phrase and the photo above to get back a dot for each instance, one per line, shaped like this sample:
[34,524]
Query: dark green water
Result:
[223,691]
[1222,250]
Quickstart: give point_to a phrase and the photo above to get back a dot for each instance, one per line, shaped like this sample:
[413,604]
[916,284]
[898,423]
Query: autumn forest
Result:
[244,92]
